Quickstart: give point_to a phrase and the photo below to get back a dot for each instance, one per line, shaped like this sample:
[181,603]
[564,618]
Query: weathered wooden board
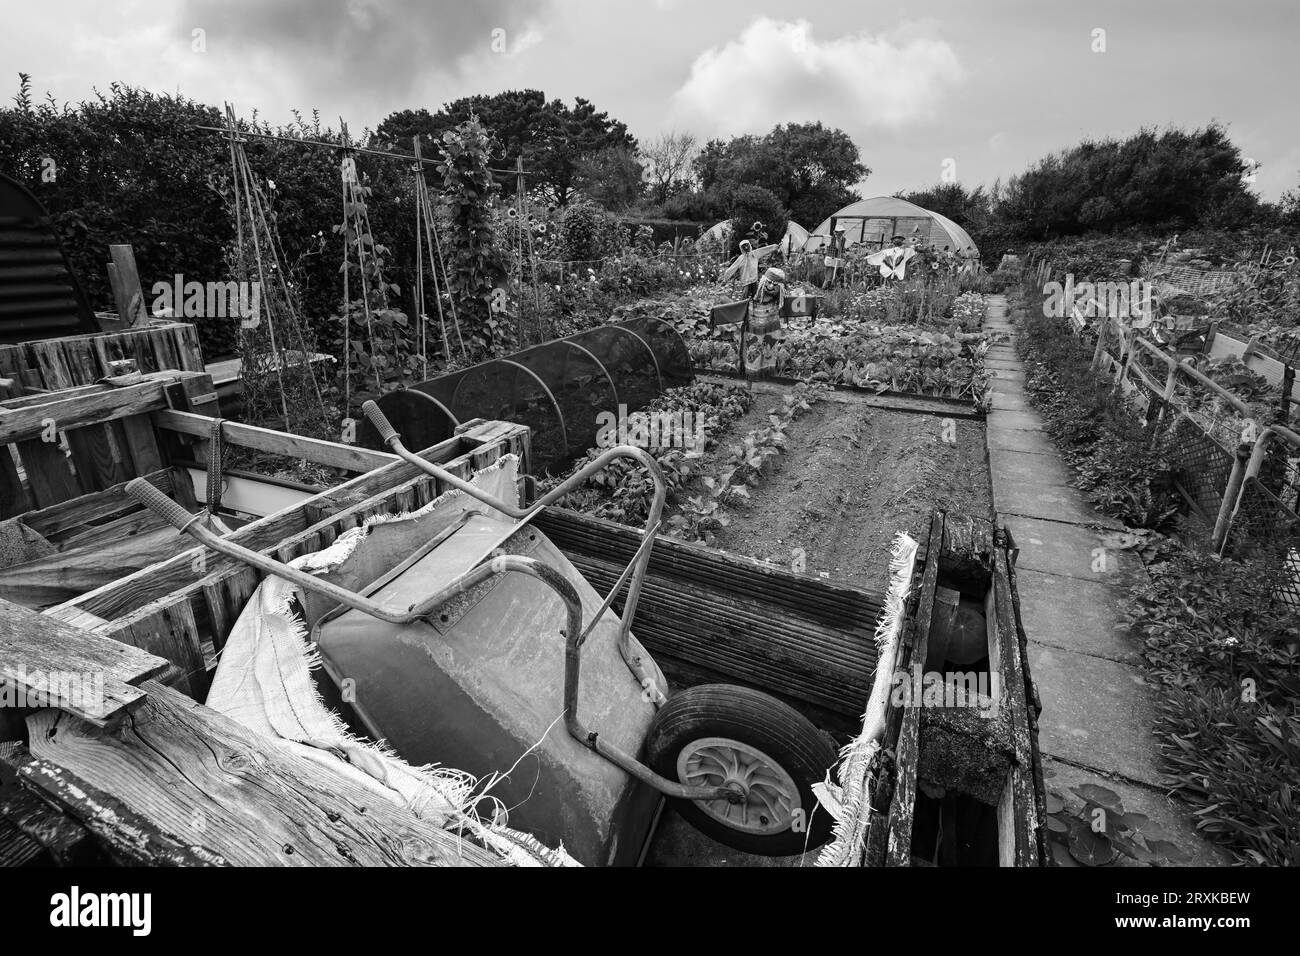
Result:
[14,499]
[898,850]
[40,827]
[226,795]
[58,363]
[58,520]
[88,408]
[333,454]
[38,652]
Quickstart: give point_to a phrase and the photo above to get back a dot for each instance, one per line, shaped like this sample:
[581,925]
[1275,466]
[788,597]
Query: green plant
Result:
[1225,649]
[700,516]
[1092,828]
[476,264]
[622,490]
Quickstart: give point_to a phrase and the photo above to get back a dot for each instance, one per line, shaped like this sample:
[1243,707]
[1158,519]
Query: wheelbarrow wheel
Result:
[724,735]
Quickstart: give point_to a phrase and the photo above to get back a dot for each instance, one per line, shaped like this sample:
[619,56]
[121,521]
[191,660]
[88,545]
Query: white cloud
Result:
[779,72]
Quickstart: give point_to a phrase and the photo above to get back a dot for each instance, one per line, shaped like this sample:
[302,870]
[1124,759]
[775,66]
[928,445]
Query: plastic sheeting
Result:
[558,389]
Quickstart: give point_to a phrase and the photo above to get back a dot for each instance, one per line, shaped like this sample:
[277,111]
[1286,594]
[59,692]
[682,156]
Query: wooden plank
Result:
[903,805]
[49,359]
[187,345]
[89,408]
[131,307]
[120,301]
[14,499]
[141,444]
[128,838]
[169,632]
[193,392]
[50,477]
[43,397]
[1023,811]
[83,673]
[333,454]
[66,840]
[231,796]
[92,509]
[99,453]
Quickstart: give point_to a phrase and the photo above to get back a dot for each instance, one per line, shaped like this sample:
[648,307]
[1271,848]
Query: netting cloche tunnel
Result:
[558,389]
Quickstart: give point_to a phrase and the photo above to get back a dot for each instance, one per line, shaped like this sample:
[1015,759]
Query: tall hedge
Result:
[131,166]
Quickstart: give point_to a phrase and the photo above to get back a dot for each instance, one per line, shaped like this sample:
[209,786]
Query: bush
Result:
[588,232]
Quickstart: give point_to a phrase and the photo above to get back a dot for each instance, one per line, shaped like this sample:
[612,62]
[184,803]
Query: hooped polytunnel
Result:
[558,389]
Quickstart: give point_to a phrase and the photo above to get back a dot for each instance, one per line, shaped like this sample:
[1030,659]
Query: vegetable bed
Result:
[802,476]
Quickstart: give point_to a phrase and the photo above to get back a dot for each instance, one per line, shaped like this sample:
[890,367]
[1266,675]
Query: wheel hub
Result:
[764,798]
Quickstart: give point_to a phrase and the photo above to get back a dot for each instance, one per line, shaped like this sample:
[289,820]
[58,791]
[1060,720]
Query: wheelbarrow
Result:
[457,647]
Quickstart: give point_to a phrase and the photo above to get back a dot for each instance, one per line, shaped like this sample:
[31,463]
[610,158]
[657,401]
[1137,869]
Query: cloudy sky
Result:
[989,85]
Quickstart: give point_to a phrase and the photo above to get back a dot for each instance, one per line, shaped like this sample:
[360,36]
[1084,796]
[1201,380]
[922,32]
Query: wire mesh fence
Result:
[1201,464]
[1266,530]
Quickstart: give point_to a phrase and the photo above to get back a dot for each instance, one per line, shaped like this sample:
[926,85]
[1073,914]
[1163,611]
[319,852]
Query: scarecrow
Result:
[762,334]
[746,265]
[893,261]
[833,264]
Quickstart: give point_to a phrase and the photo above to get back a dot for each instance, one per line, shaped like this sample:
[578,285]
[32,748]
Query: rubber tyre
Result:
[760,721]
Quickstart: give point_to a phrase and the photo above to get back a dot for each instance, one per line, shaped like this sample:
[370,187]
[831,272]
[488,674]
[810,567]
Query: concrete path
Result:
[1097,705]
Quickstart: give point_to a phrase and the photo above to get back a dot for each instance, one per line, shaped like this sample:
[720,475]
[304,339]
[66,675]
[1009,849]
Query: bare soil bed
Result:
[851,477]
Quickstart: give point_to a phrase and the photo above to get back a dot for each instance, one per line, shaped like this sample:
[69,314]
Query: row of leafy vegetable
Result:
[904,338]
[703,483]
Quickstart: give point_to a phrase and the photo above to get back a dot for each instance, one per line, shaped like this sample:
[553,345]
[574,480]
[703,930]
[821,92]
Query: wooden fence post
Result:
[126,290]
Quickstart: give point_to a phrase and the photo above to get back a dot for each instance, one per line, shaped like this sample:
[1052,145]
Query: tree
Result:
[1289,207]
[1175,179]
[612,177]
[810,168]
[400,128]
[667,163]
[550,136]
[967,208]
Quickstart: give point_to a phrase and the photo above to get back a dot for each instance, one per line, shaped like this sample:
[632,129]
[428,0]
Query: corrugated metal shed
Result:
[39,294]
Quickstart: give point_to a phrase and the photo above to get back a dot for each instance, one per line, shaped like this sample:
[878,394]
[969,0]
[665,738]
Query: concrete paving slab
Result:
[1031,499]
[1023,466]
[1074,551]
[1014,439]
[1074,615]
[1096,712]
[1009,401]
[1025,420]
